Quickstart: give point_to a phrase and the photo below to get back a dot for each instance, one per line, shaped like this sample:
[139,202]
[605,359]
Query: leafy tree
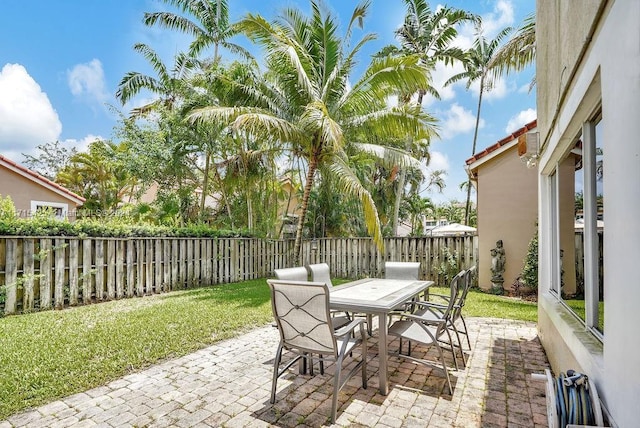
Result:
[98,175]
[52,157]
[477,67]
[306,104]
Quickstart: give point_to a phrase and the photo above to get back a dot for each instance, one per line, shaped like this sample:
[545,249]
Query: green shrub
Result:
[43,224]
[449,266]
[7,209]
[530,270]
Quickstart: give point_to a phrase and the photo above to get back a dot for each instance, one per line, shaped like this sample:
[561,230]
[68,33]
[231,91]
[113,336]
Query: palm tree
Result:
[98,174]
[305,102]
[477,67]
[429,35]
[210,27]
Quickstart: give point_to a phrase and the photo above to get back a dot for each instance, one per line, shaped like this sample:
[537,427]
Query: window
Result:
[59,210]
[578,226]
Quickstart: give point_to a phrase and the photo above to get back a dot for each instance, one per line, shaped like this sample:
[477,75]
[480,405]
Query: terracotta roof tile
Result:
[37,177]
[506,140]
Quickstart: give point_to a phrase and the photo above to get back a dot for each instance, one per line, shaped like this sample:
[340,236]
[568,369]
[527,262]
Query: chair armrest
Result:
[347,329]
[442,296]
[431,305]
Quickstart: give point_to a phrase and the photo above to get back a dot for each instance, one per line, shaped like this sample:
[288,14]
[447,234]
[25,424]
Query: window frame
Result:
[65,207]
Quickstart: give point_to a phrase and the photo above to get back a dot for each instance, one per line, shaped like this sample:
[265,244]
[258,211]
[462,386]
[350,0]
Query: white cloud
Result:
[439,161]
[492,23]
[458,120]
[27,117]
[439,76]
[88,80]
[521,119]
[501,17]
[525,89]
[497,91]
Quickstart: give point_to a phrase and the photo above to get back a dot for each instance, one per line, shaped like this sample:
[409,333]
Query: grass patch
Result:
[48,355]
[480,304]
[52,354]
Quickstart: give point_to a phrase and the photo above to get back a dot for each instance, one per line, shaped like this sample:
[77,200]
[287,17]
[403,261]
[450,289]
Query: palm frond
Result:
[172,21]
[133,82]
[316,118]
[349,183]
[388,156]
[357,17]
[152,57]
[519,51]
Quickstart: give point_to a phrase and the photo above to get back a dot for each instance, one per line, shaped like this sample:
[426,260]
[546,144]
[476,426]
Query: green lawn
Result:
[48,355]
[481,304]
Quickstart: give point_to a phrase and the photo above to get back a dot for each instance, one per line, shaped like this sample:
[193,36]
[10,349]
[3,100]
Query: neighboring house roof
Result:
[499,147]
[38,179]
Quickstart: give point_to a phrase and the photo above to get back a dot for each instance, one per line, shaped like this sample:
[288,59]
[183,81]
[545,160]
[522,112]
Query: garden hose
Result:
[573,402]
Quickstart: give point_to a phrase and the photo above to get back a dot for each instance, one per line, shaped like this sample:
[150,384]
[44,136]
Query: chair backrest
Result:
[455,288]
[301,310]
[320,273]
[292,274]
[468,280]
[402,270]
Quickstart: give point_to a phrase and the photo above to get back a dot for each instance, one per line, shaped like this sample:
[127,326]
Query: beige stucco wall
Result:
[22,191]
[507,210]
[566,196]
[607,81]
[560,46]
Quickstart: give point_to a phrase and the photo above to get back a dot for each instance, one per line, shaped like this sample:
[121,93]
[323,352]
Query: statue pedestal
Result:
[497,288]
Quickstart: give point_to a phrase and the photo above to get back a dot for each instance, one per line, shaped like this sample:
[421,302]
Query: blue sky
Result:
[61,62]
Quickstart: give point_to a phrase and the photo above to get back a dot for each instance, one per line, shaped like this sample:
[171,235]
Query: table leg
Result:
[383,353]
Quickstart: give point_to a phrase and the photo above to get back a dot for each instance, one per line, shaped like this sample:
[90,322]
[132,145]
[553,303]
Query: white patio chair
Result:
[416,327]
[436,309]
[447,312]
[301,310]
[292,274]
[320,272]
[402,270]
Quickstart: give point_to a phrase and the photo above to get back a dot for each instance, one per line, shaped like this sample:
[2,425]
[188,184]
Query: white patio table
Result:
[376,296]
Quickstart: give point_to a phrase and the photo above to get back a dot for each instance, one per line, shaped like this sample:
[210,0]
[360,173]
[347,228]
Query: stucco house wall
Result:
[507,210]
[588,60]
[29,190]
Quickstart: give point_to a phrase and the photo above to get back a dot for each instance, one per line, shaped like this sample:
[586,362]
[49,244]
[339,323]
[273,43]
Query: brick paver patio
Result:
[228,385]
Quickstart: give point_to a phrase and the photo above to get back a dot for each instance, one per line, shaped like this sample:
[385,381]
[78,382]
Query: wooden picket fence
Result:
[38,273]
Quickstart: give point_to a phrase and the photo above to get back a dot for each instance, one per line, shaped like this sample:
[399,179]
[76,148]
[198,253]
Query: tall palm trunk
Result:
[313,166]
[467,207]
[403,173]
[205,182]
[402,178]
